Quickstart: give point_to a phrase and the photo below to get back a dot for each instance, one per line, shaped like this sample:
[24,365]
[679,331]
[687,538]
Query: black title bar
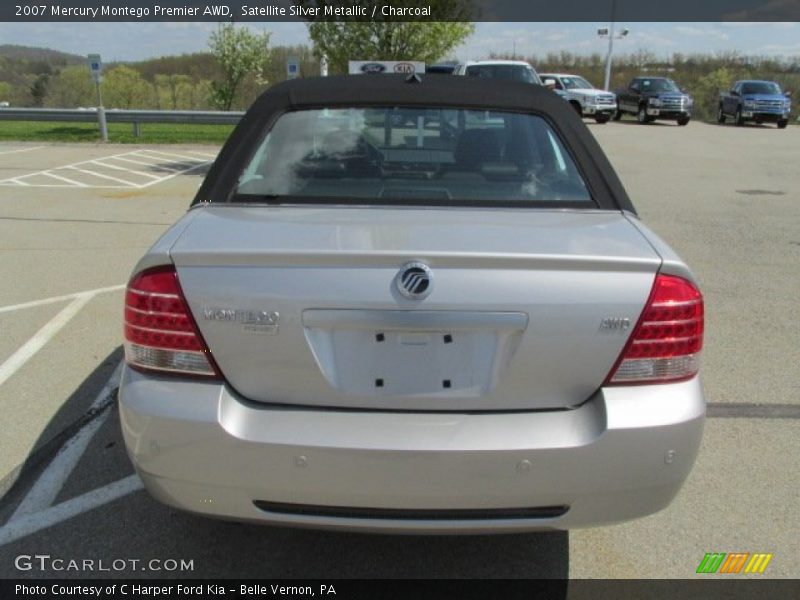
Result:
[733,588]
[398,10]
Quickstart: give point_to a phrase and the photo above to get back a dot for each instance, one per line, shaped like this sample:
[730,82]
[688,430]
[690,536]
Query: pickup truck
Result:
[515,70]
[758,101]
[586,99]
[651,98]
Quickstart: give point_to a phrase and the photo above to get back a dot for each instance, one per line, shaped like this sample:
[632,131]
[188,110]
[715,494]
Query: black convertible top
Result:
[466,92]
[434,91]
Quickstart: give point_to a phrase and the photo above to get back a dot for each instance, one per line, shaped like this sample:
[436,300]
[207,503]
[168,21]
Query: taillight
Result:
[160,333]
[666,342]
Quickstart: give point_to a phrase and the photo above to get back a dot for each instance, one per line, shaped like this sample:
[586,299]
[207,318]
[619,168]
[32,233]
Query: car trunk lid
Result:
[527,309]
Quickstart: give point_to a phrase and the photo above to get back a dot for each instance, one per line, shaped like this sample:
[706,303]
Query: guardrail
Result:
[136,117]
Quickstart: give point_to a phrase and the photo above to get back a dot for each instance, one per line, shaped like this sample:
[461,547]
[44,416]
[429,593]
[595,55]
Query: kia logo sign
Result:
[373,68]
[400,67]
[404,67]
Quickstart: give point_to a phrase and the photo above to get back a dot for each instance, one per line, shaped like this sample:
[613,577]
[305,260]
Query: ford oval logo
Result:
[415,280]
[373,68]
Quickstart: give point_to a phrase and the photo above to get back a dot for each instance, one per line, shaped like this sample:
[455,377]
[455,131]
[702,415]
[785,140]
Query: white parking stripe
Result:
[109,177]
[19,528]
[20,150]
[41,337]
[70,181]
[70,185]
[163,160]
[171,154]
[101,163]
[203,154]
[164,164]
[75,164]
[141,162]
[63,298]
[175,174]
[50,483]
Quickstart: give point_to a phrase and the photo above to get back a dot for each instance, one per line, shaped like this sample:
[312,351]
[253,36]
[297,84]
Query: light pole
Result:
[609,31]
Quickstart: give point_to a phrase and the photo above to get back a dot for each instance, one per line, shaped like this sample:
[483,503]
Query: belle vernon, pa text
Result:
[225,11]
[201,591]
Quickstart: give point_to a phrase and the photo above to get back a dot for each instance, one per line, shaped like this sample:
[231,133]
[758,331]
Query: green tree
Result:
[307,61]
[38,89]
[173,91]
[72,87]
[6,89]
[124,87]
[707,90]
[198,94]
[389,39]
[240,54]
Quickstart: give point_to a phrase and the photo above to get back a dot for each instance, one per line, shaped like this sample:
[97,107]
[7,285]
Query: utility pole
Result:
[610,33]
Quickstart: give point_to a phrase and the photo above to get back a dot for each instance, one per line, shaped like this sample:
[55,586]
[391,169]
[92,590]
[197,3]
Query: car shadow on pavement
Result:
[651,124]
[143,533]
[246,550]
[73,414]
[168,167]
[749,125]
[137,528]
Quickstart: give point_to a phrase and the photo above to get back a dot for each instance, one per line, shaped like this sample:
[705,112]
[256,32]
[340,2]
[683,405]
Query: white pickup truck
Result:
[587,100]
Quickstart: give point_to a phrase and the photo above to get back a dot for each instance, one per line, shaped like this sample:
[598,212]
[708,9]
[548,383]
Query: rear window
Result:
[412,156]
[659,85]
[514,72]
[576,83]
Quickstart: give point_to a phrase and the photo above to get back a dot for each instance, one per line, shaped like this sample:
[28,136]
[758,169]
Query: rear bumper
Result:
[622,455]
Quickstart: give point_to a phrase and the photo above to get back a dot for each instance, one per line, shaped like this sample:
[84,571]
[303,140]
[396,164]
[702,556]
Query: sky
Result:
[142,40]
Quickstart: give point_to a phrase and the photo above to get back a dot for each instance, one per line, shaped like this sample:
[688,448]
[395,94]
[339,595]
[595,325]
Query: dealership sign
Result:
[370,67]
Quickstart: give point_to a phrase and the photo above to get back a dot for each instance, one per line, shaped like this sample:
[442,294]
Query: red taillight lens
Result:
[666,342]
[160,334]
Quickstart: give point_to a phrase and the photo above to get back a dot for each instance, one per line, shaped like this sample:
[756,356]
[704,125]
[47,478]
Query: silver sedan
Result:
[410,305]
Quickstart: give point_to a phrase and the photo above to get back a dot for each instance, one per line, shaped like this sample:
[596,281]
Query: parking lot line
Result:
[178,161]
[15,181]
[70,181]
[50,483]
[109,177]
[141,162]
[172,154]
[41,337]
[15,151]
[203,154]
[162,162]
[54,299]
[102,163]
[28,524]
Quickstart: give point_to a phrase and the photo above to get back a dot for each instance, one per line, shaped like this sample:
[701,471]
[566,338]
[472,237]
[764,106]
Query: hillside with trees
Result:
[25,72]
[49,78]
